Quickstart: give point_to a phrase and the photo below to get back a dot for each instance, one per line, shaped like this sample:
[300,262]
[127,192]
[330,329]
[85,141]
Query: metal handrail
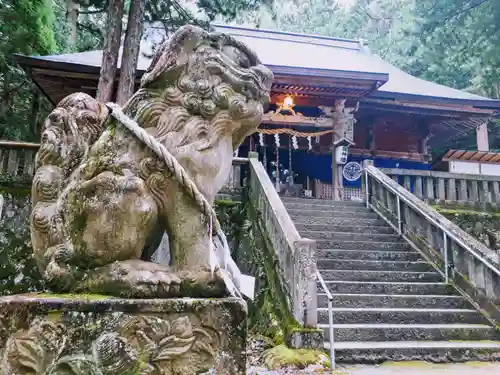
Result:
[446,231]
[330,318]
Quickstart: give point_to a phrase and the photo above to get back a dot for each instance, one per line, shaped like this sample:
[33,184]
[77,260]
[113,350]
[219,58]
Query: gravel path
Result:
[390,368]
[256,348]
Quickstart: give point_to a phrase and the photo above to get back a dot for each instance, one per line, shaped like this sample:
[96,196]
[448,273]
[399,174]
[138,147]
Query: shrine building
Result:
[333,105]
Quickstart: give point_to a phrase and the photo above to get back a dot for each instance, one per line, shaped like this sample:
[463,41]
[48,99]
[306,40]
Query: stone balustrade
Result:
[296,256]
[236,181]
[17,159]
[463,260]
[434,186]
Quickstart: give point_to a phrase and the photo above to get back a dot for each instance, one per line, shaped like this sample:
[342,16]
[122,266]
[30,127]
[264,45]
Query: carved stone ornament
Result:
[161,337]
[102,198]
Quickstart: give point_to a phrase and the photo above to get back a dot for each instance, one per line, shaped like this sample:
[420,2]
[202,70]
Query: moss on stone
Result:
[226,202]
[465,211]
[281,356]
[73,296]
[271,314]
[480,223]
[13,184]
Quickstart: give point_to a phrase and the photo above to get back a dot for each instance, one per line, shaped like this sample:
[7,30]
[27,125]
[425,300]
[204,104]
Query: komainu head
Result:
[205,81]
[202,95]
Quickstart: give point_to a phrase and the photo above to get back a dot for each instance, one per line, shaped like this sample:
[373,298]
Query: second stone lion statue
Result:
[103,199]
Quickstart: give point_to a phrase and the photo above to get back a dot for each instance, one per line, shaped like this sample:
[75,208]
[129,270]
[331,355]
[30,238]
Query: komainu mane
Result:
[103,199]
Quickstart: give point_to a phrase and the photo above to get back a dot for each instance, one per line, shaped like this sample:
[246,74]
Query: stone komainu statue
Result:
[103,198]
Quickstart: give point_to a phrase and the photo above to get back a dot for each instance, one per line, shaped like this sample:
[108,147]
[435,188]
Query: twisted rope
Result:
[294,132]
[220,241]
[170,161]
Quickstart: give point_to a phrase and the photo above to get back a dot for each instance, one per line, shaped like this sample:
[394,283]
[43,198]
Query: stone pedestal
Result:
[98,335]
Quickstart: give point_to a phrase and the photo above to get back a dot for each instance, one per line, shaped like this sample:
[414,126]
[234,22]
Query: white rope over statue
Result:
[220,255]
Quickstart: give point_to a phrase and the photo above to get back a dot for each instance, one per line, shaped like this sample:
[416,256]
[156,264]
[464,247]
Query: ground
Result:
[256,347]
[393,368]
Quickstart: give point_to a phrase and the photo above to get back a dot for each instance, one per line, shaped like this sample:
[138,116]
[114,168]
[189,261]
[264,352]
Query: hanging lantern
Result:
[261,140]
[309,141]
[277,140]
[294,143]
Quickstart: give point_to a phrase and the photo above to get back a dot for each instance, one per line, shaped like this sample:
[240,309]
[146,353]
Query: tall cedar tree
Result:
[111,51]
[131,52]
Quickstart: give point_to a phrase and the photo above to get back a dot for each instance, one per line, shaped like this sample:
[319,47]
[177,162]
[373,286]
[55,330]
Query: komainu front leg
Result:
[141,279]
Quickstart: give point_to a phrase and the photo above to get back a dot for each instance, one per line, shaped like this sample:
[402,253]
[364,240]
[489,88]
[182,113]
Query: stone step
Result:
[410,332]
[370,315]
[332,214]
[385,287]
[350,236]
[398,245]
[321,201]
[395,301]
[353,221]
[325,207]
[373,265]
[400,276]
[371,352]
[376,229]
[406,255]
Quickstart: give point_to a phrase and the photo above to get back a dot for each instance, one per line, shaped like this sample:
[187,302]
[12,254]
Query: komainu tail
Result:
[67,135]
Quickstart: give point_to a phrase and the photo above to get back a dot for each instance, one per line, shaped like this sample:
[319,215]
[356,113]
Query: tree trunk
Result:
[34,114]
[110,53]
[72,9]
[131,48]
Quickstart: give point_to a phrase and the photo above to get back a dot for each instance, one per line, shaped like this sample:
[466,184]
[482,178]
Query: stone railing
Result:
[296,255]
[236,181]
[449,187]
[469,264]
[17,159]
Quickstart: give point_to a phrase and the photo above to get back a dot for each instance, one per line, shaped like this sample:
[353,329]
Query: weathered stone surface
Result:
[90,335]
[18,271]
[483,225]
[306,338]
[103,199]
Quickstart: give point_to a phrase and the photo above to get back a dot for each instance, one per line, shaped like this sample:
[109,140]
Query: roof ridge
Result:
[286,33]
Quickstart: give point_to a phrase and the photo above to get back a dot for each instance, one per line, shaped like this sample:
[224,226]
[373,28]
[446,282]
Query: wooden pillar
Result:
[290,170]
[482,137]
[334,170]
[424,131]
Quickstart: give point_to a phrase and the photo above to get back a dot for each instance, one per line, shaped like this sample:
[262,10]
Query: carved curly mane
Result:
[199,96]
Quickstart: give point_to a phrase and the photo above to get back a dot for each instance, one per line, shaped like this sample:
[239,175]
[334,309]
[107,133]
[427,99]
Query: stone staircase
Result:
[389,303]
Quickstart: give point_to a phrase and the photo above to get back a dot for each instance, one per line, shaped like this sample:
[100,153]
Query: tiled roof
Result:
[313,51]
[472,156]
[300,53]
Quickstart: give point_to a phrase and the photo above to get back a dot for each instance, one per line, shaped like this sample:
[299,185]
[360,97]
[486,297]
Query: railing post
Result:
[366,163]
[445,249]
[367,192]
[304,293]
[253,155]
[400,222]
[332,333]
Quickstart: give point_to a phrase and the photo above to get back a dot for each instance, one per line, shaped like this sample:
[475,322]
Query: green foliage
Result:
[452,42]
[469,32]
[26,27]
[42,27]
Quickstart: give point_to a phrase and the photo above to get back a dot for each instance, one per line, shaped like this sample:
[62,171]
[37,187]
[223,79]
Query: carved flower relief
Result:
[141,345]
[171,347]
[34,350]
